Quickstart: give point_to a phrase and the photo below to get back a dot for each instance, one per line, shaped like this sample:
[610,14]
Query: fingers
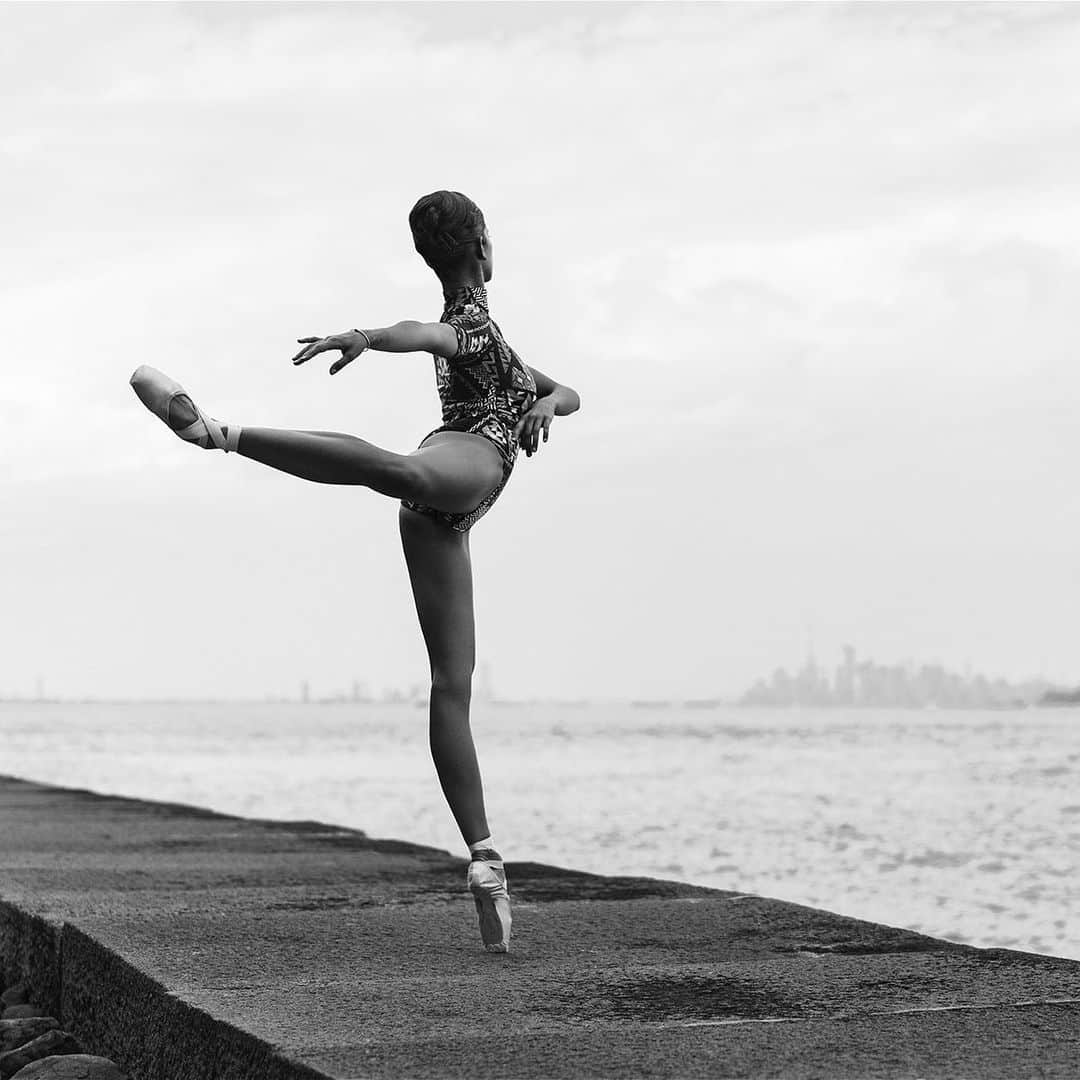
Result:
[346,358]
[318,345]
[529,430]
[543,423]
[315,345]
[311,347]
[530,438]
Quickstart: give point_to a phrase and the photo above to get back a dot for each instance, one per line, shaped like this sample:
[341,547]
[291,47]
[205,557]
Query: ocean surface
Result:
[964,825]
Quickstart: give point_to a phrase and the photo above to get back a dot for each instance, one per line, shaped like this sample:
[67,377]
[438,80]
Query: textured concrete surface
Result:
[188,945]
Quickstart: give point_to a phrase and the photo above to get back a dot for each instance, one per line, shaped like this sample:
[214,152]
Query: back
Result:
[485,375]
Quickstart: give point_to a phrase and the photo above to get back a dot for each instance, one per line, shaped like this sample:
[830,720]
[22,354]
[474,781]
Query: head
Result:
[449,232]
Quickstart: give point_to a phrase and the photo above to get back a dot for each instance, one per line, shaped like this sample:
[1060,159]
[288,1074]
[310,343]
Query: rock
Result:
[52,1042]
[17,1032]
[22,1012]
[71,1067]
[18,994]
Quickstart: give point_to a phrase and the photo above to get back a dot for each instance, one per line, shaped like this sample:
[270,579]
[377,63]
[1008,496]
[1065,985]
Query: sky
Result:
[812,269]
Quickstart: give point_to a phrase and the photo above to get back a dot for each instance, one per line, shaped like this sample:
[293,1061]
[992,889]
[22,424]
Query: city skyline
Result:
[855,682]
[870,684]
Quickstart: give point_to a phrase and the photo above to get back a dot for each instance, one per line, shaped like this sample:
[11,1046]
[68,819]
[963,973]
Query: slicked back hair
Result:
[444,224]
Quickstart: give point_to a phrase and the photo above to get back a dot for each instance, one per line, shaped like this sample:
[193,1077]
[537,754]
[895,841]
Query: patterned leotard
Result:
[484,389]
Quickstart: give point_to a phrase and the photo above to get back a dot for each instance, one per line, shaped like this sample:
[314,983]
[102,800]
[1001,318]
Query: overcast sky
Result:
[813,270]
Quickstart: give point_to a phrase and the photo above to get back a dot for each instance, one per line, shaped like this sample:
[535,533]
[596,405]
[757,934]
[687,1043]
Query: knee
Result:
[455,682]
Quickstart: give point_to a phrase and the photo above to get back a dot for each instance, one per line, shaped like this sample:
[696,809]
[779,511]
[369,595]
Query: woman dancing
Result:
[492,404]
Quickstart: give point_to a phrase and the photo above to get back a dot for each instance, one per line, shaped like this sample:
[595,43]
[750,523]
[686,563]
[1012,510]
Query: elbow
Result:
[565,399]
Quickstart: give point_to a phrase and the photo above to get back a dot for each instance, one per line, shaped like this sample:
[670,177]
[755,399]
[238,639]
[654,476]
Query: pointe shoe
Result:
[486,880]
[156,391]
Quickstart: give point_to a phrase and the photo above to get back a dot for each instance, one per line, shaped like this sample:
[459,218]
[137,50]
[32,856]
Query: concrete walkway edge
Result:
[119,1012]
[186,944]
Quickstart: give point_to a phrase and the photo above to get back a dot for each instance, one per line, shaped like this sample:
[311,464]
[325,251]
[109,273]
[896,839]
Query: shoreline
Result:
[170,937]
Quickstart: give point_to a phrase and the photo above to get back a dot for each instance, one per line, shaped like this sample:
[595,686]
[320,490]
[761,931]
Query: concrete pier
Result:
[189,945]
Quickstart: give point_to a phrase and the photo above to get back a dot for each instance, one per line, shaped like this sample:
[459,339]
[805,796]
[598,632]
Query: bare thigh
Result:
[440,569]
[456,470]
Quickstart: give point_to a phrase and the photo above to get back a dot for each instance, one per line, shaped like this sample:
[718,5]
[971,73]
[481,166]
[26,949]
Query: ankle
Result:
[483,850]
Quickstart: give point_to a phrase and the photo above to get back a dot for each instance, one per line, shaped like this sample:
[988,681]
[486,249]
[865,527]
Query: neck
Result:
[470,278]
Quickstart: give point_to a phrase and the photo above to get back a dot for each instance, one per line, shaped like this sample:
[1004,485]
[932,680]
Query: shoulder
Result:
[472,325]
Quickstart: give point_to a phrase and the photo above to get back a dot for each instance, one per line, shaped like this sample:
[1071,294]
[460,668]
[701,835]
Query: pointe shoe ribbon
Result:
[156,391]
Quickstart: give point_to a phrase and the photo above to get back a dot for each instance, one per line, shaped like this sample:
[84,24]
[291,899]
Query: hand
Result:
[537,419]
[351,343]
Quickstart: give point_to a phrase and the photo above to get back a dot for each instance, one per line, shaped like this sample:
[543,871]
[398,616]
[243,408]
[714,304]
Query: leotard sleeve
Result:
[473,329]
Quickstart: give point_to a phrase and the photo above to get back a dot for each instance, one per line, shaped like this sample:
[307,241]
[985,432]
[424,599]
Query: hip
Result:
[495,427]
[495,430]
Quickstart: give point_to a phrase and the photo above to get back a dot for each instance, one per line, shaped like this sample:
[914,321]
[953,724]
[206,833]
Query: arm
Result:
[407,336]
[412,336]
[552,399]
[564,399]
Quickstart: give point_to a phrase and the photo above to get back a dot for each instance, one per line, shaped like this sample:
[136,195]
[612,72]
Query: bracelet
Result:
[363,334]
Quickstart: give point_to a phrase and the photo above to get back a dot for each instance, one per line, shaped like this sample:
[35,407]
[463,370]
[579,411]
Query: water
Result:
[964,825]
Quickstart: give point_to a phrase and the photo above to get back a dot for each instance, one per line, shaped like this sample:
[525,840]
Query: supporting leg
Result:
[441,575]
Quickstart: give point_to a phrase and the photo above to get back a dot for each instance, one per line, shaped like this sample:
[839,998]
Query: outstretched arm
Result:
[412,336]
[406,336]
[552,399]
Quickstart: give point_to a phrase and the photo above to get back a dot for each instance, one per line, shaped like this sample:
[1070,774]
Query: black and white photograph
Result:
[539,540]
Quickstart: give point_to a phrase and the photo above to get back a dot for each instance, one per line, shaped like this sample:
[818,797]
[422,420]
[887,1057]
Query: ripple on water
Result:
[940,859]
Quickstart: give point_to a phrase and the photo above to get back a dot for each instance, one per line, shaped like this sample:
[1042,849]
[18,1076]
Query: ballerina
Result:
[492,405]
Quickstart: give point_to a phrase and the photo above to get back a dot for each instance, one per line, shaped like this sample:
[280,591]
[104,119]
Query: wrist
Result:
[367,336]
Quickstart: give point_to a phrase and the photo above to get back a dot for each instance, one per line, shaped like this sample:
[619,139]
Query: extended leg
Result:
[452,471]
[441,575]
[328,457]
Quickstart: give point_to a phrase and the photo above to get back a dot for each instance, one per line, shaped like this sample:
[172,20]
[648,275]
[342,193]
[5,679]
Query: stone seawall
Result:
[190,945]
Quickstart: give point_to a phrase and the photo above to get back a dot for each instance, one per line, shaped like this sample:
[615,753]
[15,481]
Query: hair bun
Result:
[443,223]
